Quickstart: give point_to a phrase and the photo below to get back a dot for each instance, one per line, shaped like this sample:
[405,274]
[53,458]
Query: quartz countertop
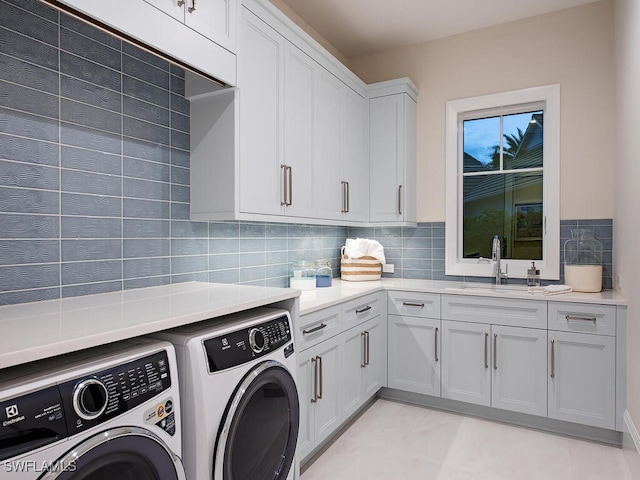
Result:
[38,330]
[340,291]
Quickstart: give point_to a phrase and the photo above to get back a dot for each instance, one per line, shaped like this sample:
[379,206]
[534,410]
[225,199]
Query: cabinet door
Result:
[261,73]
[414,354]
[328,191]
[215,19]
[386,150]
[519,369]
[375,371]
[305,383]
[352,361]
[355,168]
[582,383]
[466,356]
[299,129]
[327,408]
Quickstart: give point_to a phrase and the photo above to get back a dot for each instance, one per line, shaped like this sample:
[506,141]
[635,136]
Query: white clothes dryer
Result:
[239,396]
[110,412]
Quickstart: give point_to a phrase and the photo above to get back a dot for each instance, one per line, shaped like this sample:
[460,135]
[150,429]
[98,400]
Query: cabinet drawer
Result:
[362,309]
[414,304]
[499,311]
[318,326]
[583,318]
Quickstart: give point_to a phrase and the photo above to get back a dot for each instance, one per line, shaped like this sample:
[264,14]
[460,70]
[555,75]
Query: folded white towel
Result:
[361,247]
[550,290]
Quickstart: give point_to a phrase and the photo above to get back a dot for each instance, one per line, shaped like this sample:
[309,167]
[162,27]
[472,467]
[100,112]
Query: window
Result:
[503,172]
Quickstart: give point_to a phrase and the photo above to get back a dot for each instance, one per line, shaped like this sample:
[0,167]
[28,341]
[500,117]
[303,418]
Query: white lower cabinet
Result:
[363,362]
[495,365]
[342,363]
[466,373]
[414,354]
[320,377]
[582,379]
[519,369]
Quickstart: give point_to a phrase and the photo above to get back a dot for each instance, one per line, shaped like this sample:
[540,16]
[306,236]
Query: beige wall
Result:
[627,193]
[572,47]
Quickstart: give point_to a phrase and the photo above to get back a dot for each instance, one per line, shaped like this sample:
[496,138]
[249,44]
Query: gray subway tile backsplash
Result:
[94,197]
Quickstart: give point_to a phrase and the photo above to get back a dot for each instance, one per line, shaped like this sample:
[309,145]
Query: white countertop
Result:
[33,331]
[340,291]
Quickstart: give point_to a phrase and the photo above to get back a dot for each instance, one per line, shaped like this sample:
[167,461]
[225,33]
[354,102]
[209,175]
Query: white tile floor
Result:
[396,441]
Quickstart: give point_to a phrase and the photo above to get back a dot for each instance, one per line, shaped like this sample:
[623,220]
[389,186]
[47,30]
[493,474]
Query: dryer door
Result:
[125,453]
[259,432]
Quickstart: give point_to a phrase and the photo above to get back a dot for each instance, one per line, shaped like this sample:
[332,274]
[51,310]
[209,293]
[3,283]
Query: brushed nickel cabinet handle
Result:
[283,170]
[363,336]
[180,3]
[314,329]
[495,351]
[365,309]
[436,344]
[344,196]
[314,361]
[411,304]
[486,359]
[290,185]
[368,348]
[553,359]
[348,197]
[192,7]
[399,199]
[568,318]
[321,383]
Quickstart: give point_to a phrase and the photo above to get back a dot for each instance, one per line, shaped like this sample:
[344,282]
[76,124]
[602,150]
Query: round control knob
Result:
[256,340]
[90,398]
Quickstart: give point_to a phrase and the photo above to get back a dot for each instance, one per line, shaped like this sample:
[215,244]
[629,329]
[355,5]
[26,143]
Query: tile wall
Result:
[94,177]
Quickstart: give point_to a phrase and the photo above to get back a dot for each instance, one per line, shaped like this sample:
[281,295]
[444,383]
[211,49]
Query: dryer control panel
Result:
[242,346]
[98,397]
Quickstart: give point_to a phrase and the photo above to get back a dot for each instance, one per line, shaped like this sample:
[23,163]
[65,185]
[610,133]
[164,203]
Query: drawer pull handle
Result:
[568,318]
[411,304]
[365,309]
[314,329]
[495,351]
[363,336]
[436,345]
[320,376]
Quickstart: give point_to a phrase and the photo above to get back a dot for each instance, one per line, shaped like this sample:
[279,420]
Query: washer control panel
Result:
[93,399]
[242,346]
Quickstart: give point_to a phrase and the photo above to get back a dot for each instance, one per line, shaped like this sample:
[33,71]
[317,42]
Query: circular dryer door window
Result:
[125,453]
[257,440]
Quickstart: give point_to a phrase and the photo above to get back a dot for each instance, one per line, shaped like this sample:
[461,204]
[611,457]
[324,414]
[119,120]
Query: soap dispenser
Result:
[533,276]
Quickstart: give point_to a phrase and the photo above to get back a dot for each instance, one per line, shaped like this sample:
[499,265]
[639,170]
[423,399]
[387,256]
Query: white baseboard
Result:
[631,445]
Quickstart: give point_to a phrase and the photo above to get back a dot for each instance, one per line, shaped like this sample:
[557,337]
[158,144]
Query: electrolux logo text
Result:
[13,415]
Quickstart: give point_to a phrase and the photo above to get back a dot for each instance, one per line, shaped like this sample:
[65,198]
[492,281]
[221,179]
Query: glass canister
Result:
[303,276]
[324,274]
[583,261]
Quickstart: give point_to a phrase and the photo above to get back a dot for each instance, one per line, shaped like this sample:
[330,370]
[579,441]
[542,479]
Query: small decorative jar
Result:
[303,276]
[324,274]
[583,261]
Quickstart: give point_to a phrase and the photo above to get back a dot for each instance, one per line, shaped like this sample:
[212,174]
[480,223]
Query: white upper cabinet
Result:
[200,33]
[392,152]
[262,179]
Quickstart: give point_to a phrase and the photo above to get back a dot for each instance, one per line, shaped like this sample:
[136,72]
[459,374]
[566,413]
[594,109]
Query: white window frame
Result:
[455,263]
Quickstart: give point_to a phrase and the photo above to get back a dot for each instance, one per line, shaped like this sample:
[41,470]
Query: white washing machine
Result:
[239,396]
[111,412]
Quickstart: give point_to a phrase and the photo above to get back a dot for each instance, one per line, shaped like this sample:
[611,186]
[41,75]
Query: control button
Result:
[135,393]
[257,340]
[143,390]
[90,398]
[126,397]
[168,406]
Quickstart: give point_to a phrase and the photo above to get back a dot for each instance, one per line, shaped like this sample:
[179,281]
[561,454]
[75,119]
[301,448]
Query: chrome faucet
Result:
[495,256]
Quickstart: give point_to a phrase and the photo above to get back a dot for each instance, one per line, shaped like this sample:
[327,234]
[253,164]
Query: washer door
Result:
[125,453]
[259,432]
